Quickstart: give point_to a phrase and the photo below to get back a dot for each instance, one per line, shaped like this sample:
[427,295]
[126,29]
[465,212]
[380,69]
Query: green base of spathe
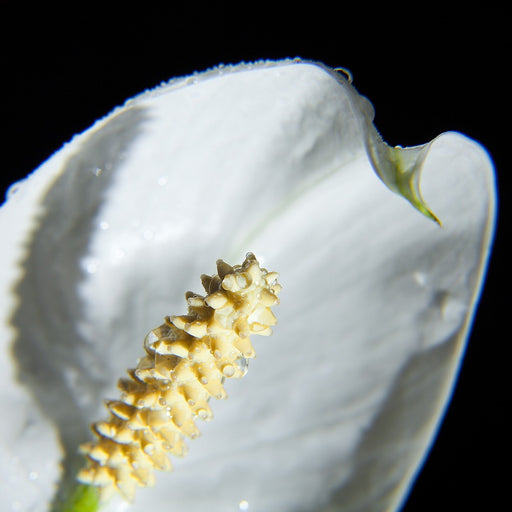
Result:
[83,499]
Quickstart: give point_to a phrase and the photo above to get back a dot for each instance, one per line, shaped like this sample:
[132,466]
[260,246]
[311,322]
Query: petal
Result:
[343,401]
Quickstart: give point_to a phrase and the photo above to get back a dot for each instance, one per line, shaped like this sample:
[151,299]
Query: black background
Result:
[426,70]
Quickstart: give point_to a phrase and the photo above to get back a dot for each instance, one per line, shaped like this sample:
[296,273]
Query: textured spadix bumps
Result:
[188,358]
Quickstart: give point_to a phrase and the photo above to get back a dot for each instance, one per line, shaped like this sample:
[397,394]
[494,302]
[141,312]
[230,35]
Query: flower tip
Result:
[431,215]
[421,206]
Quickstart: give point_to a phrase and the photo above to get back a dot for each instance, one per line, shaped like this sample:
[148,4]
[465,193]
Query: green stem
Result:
[84,498]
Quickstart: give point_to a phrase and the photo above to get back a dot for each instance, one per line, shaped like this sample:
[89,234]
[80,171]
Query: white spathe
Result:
[103,240]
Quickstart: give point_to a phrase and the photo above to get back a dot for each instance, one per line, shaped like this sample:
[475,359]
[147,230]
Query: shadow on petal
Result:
[404,426]
[57,364]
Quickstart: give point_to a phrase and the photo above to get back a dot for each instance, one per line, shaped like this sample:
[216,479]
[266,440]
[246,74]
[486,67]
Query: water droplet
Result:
[243,365]
[166,446]
[228,370]
[149,449]
[97,171]
[202,413]
[204,380]
[243,505]
[150,338]
[191,402]
[13,189]
[162,402]
[421,278]
[90,265]
[241,281]
[141,403]
[217,354]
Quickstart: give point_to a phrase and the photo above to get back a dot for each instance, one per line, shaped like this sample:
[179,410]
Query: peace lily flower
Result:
[279,158]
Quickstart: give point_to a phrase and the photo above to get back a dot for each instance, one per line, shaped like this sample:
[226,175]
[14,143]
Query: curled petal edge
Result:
[400,168]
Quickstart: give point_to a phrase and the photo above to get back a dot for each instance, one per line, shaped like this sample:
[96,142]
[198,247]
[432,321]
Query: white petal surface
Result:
[103,240]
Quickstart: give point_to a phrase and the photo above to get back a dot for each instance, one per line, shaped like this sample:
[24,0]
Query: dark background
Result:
[426,71]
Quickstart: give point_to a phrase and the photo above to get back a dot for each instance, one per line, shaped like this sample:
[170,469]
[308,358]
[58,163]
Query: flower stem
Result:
[84,498]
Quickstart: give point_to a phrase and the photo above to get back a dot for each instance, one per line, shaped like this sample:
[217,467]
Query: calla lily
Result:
[281,159]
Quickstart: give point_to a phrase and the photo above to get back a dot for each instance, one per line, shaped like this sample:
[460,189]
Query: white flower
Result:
[102,241]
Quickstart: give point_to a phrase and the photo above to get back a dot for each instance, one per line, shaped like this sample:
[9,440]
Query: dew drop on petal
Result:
[421,278]
[13,189]
[90,265]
